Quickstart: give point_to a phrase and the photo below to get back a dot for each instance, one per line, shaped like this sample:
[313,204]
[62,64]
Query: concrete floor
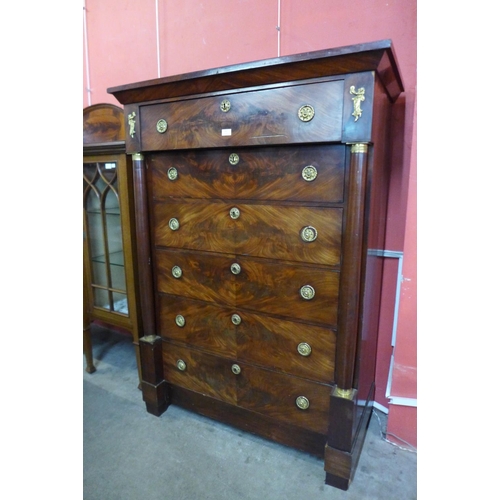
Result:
[129,454]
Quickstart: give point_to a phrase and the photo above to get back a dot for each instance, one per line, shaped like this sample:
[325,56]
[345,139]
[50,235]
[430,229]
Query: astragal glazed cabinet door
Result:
[108,227]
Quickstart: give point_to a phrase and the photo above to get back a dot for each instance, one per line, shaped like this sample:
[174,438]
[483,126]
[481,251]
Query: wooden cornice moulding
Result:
[375,56]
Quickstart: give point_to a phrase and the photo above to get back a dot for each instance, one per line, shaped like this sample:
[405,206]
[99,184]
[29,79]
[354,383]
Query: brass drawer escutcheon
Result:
[235,268]
[236,319]
[161,126]
[225,105]
[309,173]
[304,349]
[181,365]
[234,159]
[236,369]
[306,113]
[234,213]
[307,292]
[176,272]
[173,224]
[308,234]
[172,173]
[302,403]
[180,321]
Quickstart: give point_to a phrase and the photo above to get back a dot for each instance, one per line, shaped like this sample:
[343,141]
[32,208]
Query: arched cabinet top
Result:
[103,123]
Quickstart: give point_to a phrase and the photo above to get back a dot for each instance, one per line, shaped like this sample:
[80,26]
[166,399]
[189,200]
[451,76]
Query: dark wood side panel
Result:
[255,118]
[375,230]
[262,285]
[260,174]
[270,231]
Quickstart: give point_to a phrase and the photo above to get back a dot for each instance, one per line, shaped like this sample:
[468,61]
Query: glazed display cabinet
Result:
[108,251]
[261,194]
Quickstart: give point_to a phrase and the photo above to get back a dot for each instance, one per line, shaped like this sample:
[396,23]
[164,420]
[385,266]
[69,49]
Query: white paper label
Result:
[226,132]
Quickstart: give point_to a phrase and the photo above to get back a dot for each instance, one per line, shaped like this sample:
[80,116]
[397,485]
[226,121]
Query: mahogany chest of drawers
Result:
[260,194]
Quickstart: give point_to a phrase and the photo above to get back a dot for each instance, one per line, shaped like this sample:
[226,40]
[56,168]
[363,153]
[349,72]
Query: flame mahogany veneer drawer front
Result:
[272,173]
[250,387]
[280,288]
[297,233]
[296,348]
[256,117]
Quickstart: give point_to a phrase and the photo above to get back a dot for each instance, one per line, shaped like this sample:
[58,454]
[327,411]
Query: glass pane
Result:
[108,171]
[104,234]
[113,221]
[95,239]
[118,275]
[99,275]
[101,298]
[92,183]
[120,303]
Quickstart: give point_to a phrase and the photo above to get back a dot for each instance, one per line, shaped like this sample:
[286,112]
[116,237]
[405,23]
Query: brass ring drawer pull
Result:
[234,159]
[235,268]
[306,113]
[236,319]
[176,272]
[225,106]
[161,126]
[236,369]
[304,349]
[309,173]
[174,224]
[302,403]
[307,292]
[308,234]
[180,320]
[234,213]
[181,365]
[172,173]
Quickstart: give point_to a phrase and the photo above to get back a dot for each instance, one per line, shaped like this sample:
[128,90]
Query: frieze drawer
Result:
[310,173]
[294,114]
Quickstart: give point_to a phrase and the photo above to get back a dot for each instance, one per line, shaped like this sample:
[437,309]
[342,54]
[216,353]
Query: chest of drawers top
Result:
[257,103]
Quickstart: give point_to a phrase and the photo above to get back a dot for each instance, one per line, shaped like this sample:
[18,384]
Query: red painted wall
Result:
[129,41]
